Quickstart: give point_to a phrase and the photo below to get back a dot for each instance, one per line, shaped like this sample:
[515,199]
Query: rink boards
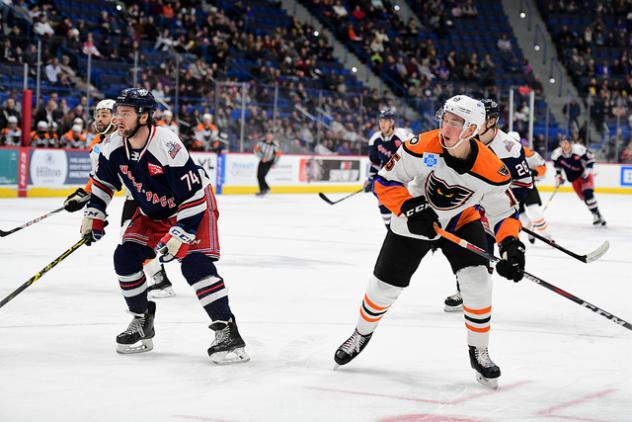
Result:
[43,172]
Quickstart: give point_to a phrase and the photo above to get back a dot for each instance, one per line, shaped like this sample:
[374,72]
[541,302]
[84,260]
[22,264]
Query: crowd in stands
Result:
[594,41]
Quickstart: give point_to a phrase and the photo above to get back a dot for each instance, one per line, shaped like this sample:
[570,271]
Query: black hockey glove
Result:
[76,200]
[421,217]
[511,266]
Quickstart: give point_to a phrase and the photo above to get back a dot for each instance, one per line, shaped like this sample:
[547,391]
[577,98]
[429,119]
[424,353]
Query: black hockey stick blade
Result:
[482,252]
[42,272]
[330,202]
[588,258]
[30,223]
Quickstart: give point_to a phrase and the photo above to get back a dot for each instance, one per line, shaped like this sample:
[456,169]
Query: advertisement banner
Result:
[47,168]
[319,169]
[79,167]
[8,166]
[208,161]
[626,176]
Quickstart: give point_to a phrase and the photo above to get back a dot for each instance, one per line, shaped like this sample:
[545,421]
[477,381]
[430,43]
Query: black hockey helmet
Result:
[492,109]
[387,113]
[139,98]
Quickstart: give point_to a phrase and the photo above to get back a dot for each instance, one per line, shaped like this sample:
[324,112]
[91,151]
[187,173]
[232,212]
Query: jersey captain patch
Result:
[443,196]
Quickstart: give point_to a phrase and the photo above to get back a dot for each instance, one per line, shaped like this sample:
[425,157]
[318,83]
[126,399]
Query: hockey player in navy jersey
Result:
[382,145]
[577,163]
[176,219]
[105,126]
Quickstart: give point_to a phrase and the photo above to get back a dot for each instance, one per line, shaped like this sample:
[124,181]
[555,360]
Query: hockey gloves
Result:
[421,217]
[76,200]
[368,185]
[511,266]
[175,244]
[93,225]
[559,180]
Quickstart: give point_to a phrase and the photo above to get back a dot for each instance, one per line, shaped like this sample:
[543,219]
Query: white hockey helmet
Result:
[78,121]
[167,112]
[12,119]
[207,117]
[42,125]
[106,104]
[77,128]
[469,109]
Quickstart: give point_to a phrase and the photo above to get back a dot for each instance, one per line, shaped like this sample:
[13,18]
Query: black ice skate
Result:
[487,372]
[598,220]
[228,346]
[162,287]
[351,348]
[453,303]
[137,337]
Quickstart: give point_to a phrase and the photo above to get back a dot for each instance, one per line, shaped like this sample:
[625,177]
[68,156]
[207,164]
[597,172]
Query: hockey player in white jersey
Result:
[441,177]
[531,214]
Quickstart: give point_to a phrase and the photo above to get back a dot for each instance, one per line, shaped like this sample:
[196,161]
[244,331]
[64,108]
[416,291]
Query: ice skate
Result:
[487,372]
[598,220]
[453,303]
[138,336]
[162,287]
[228,346]
[351,348]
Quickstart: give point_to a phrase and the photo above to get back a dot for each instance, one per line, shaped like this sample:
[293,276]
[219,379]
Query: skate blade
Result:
[139,347]
[448,308]
[487,382]
[230,357]
[162,293]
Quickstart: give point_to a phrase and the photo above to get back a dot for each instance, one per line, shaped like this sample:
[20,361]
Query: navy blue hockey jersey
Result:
[575,163]
[381,149]
[162,178]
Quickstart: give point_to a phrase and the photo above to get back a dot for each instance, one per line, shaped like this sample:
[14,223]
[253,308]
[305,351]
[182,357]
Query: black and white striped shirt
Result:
[267,151]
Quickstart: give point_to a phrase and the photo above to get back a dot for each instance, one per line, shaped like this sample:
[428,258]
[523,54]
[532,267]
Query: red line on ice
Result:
[549,411]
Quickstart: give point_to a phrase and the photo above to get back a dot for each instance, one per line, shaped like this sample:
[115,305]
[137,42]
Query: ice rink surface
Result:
[296,269]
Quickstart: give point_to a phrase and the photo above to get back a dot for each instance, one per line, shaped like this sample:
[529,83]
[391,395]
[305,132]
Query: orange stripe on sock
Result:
[373,305]
[367,319]
[478,330]
[478,311]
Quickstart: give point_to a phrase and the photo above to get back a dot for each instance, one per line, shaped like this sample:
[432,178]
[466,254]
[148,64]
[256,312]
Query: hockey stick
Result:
[482,252]
[43,271]
[330,202]
[30,223]
[588,258]
[550,198]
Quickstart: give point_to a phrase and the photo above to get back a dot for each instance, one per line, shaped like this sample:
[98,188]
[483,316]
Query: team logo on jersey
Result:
[430,160]
[173,149]
[503,171]
[154,169]
[443,196]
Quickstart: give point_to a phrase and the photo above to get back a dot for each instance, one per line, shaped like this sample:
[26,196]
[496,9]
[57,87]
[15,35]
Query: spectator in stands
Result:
[573,111]
[42,26]
[12,134]
[168,121]
[48,114]
[504,44]
[9,110]
[89,48]
[52,71]
[9,54]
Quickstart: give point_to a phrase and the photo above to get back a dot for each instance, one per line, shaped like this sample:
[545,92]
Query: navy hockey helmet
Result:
[492,109]
[139,98]
[387,113]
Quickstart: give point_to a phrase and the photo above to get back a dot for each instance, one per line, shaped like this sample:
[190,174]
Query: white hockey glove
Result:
[174,244]
[93,225]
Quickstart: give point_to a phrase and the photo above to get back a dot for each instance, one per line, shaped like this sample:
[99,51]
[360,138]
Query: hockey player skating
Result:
[176,219]
[577,164]
[439,177]
[105,127]
[512,155]
[382,146]
[531,214]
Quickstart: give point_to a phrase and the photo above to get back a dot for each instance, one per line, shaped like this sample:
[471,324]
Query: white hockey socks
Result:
[378,299]
[534,213]
[476,290]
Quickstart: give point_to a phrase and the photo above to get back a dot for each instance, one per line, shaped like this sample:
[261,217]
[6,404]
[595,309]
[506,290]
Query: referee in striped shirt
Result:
[268,152]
